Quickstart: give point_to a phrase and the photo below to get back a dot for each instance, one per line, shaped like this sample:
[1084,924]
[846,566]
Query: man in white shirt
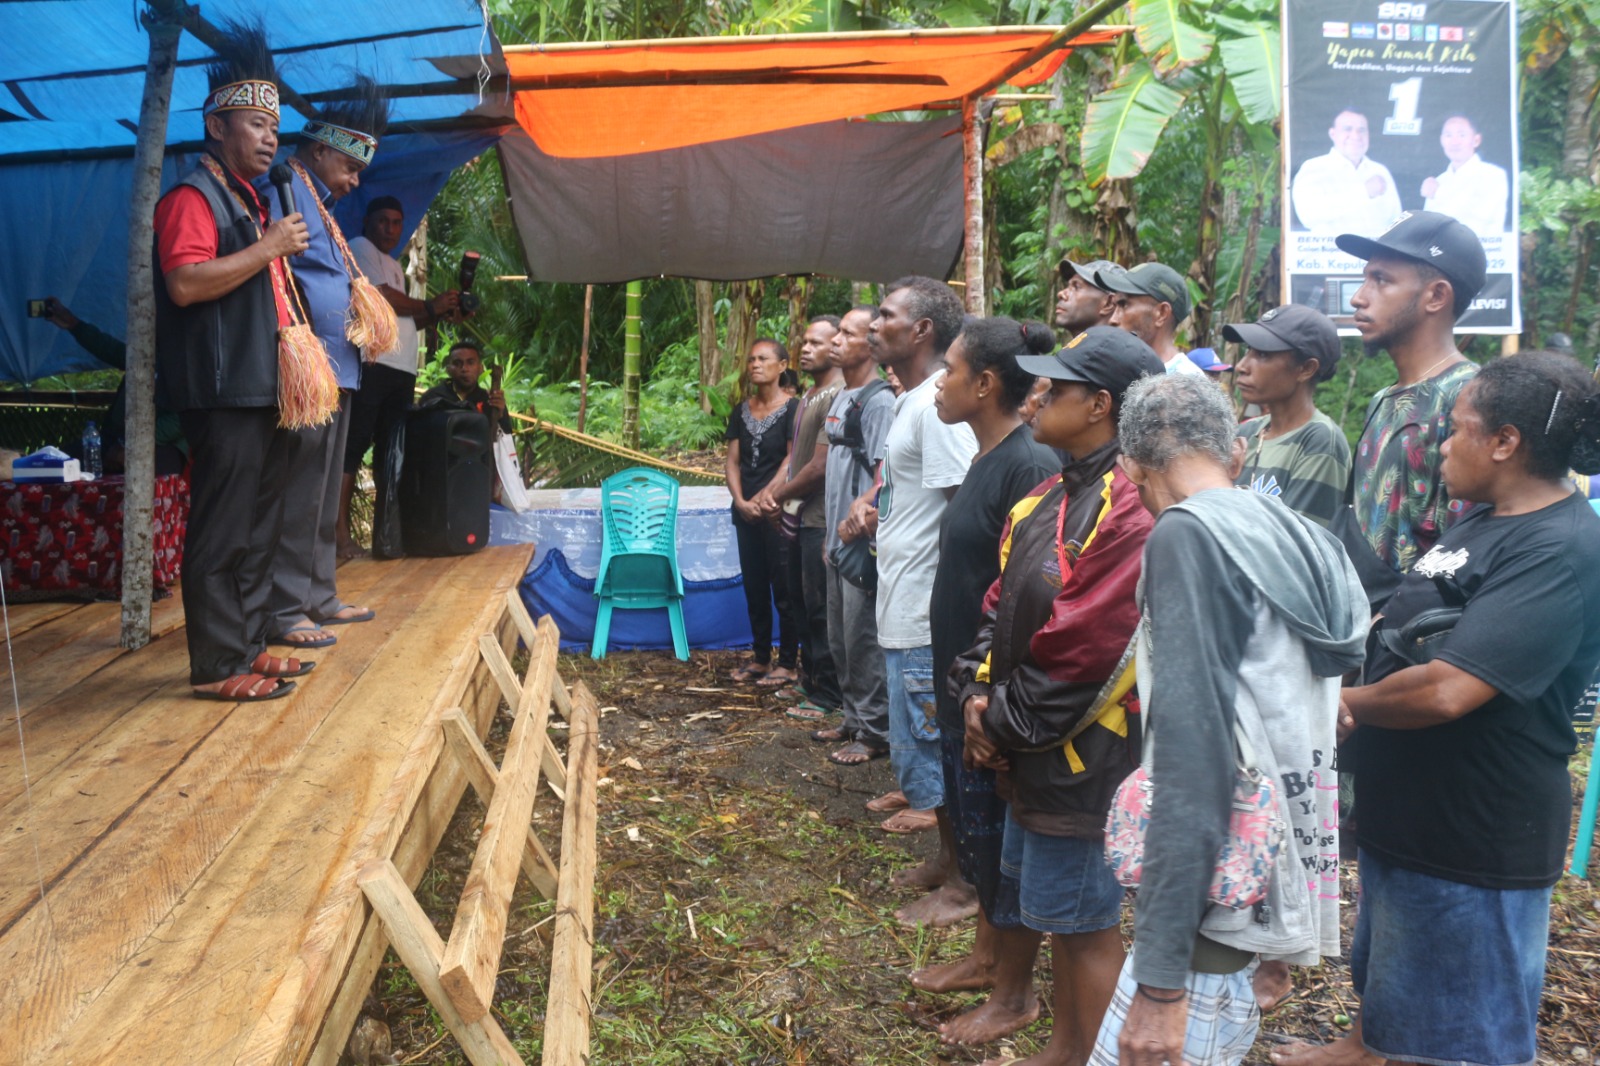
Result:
[1473,192]
[387,385]
[1150,301]
[1345,191]
[924,463]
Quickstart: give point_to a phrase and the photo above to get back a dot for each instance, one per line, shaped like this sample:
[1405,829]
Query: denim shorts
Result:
[1448,973]
[1066,885]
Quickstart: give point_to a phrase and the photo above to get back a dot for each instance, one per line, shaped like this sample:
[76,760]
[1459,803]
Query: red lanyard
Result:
[1061,536]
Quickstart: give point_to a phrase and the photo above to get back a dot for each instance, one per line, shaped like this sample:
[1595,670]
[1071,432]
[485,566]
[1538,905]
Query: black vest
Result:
[222,352]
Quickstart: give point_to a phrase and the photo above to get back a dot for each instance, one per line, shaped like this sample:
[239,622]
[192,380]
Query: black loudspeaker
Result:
[446,482]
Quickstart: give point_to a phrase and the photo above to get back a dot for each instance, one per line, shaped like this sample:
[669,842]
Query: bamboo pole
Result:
[163,23]
[1062,38]
[976,292]
[1077,26]
[583,356]
[630,365]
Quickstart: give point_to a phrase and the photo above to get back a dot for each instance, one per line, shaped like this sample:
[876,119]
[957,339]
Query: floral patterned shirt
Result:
[1400,499]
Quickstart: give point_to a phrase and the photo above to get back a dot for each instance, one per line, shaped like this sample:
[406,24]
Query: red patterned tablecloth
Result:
[67,538]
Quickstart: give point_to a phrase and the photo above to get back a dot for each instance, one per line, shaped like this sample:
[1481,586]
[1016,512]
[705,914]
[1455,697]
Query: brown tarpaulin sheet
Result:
[650,96]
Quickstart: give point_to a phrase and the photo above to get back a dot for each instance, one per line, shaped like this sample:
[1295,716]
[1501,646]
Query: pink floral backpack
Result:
[1248,856]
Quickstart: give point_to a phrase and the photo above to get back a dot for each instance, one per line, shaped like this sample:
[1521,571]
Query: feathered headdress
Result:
[353,125]
[243,76]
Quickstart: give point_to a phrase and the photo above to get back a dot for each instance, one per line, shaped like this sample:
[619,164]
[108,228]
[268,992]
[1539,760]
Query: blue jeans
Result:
[913,726]
[1448,973]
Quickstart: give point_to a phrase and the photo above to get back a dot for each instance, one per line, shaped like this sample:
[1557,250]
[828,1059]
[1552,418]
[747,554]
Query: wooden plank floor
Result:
[198,858]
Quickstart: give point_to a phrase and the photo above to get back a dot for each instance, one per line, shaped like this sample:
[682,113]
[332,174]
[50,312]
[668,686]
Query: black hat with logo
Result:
[1101,356]
[1292,328]
[1432,238]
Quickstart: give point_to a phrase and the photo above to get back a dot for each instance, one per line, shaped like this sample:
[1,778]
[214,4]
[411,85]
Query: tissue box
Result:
[48,465]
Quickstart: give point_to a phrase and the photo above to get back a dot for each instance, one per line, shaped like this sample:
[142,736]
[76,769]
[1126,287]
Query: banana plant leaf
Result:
[1171,43]
[1122,124]
[1255,67]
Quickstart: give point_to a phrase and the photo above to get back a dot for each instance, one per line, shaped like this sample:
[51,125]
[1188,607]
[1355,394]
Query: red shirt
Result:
[186,233]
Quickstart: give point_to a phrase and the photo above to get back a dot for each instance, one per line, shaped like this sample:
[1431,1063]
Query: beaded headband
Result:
[248,95]
[357,145]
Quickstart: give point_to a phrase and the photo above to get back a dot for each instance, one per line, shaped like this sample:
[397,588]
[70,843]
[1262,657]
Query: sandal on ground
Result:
[241,688]
[272,666]
[750,671]
[778,675]
[910,821]
[831,735]
[888,803]
[856,753]
[806,711]
[363,614]
[283,641]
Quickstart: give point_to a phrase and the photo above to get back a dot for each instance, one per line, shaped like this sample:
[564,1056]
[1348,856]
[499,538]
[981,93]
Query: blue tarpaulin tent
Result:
[71,77]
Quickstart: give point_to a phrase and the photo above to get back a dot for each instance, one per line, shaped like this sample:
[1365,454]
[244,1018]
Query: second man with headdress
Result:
[349,317]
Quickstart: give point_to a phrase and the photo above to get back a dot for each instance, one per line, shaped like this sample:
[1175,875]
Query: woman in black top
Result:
[984,388]
[759,431]
[1461,743]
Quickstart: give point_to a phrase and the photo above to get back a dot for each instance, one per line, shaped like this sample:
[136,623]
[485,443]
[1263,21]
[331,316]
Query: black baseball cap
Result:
[1156,280]
[1432,238]
[1087,271]
[1292,328]
[1102,356]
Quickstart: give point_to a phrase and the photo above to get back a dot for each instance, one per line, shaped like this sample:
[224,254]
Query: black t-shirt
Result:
[762,445]
[969,550]
[1486,799]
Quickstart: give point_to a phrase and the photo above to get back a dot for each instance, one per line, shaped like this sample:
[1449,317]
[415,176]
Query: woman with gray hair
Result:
[1250,614]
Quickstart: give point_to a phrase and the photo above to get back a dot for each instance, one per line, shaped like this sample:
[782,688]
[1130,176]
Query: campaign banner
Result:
[1392,107]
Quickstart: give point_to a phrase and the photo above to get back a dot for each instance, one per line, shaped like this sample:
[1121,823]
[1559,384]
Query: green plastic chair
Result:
[639,553]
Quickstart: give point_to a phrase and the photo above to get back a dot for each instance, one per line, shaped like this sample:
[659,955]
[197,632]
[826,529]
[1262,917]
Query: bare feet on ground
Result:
[945,905]
[349,549]
[988,1022]
[1271,984]
[926,874]
[964,975]
[1345,1051]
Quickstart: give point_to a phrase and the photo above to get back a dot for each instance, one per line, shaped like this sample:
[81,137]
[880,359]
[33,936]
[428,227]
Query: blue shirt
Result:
[321,274]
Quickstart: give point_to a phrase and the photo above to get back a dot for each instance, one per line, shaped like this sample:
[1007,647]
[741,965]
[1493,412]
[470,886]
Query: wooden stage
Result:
[199,859]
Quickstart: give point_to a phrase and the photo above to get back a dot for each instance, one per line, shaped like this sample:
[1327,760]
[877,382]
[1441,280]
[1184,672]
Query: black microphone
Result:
[283,178]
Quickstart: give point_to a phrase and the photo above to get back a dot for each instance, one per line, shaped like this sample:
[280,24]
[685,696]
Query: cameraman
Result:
[387,385]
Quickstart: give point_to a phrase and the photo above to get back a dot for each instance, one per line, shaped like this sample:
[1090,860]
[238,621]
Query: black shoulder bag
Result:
[856,561]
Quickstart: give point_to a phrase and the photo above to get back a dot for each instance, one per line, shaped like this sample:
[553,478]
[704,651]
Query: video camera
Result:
[469,300]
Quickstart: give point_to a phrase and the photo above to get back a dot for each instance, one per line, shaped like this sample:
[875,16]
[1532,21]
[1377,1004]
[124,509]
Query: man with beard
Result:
[220,305]
[1150,301]
[339,144]
[1082,303]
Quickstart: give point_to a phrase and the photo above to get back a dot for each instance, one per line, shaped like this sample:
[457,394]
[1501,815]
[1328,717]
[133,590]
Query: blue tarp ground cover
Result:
[73,77]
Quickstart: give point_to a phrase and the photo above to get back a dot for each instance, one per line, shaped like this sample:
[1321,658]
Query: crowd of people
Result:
[1090,614]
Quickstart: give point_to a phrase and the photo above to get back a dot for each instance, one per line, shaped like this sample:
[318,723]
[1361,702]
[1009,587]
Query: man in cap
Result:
[1421,274]
[1293,451]
[1150,301]
[220,303]
[1038,691]
[1081,303]
[338,145]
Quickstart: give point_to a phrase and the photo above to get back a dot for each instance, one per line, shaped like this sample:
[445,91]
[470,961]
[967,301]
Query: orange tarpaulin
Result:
[646,97]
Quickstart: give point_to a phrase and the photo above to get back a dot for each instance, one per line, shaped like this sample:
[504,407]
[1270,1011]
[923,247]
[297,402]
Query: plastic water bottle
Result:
[91,450]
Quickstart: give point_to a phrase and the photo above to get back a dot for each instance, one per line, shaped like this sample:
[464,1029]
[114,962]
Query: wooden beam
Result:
[472,958]
[1084,23]
[484,776]
[658,44]
[494,658]
[420,948]
[568,1008]
[976,294]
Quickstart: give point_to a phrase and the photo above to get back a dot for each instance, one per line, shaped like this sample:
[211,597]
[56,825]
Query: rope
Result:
[637,458]
[22,751]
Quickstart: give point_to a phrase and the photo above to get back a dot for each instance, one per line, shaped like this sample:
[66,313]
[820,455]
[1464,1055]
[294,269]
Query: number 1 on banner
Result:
[1404,121]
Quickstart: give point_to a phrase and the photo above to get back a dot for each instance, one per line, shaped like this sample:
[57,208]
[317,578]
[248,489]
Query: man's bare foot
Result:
[943,906]
[988,1022]
[963,975]
[1345,1051]
[926,874]
[908,821]
[1271,984]
[349,549]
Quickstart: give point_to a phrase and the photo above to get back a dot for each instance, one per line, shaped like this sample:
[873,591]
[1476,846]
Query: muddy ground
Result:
[743,912]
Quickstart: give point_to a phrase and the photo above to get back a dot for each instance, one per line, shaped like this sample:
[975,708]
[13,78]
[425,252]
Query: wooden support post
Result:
[977,295]
[164,23]
[484,776]
[472,958]
[568,1008]
[554,771]
[583,356]
[524,623]
[420,948]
